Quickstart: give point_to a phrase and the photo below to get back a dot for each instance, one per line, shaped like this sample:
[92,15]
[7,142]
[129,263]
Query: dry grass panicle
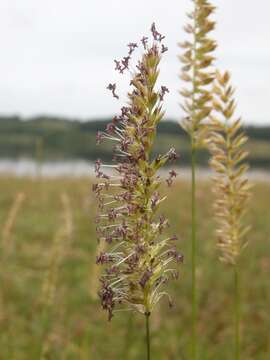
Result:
[197,60]
[231,185]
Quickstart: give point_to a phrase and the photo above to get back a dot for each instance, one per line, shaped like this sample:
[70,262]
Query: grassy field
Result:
[48,303]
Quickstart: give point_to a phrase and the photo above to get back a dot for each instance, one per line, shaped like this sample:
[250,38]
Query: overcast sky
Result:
[57,55]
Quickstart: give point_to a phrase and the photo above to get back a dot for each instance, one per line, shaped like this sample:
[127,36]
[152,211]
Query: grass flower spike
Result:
[197,60]
[197,73]
[141,258]
[231,185]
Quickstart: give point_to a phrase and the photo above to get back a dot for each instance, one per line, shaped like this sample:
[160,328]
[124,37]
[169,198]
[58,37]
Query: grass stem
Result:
[148,348]
[193,254]
[237,312]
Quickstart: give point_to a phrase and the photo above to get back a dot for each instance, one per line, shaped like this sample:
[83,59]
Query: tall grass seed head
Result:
[141,259]
[197,72]
[231,185]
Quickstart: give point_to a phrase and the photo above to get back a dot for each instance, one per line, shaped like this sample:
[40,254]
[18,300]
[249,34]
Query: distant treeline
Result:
[54,138]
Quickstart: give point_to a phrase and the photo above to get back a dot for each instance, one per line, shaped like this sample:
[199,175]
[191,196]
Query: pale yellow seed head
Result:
[231,186]
[197,72]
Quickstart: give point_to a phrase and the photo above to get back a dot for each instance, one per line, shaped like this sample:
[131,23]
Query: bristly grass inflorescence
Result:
[197,60]
[141,258]
[231,185]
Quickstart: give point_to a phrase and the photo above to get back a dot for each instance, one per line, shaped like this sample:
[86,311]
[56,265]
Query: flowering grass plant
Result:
[141,258]
[230,183]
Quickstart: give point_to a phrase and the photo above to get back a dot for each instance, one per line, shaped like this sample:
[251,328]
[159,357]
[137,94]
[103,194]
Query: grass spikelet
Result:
[141,259]
[231,186]
[197,59]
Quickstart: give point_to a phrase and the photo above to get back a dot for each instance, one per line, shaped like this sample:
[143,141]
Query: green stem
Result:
[147,316]
[193,254]
[237,312]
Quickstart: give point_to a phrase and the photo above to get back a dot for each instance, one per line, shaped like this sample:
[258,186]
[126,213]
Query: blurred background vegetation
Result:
[49,307]
[51,239]
[55,138]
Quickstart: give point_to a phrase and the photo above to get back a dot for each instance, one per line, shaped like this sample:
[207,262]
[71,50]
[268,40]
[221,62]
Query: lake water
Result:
[81,168]
[27,167]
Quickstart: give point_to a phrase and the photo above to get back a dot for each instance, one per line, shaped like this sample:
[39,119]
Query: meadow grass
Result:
[79,329]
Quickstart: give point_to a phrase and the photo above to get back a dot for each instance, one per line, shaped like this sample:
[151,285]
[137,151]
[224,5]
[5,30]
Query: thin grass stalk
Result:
[148,338]
[237,312]
[194,255]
